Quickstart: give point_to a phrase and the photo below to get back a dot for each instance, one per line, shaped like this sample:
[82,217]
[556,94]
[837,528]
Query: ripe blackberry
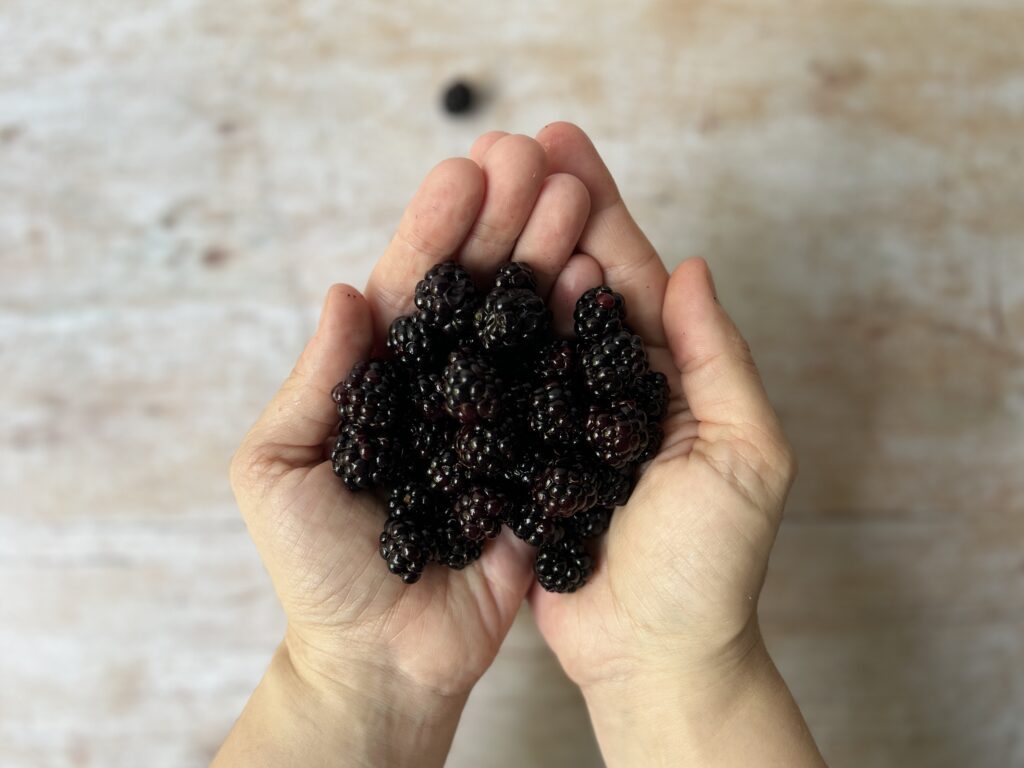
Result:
[612,365]
[427,397]
[555,360]
[599,313]
[406,549]
[617,433]
[363,459]
[563,491]
[532,526]
[511,317]
[413,343]
[591,523]
[521,475]
[368,395]
[486,449]
[471,388]
[445,474]
[429,438]
[613,486]
[651,392]
[446,298]
[554,416]
[655,435]
[451,547]
[481,510]
[563,566]
[414,503]
[515,274]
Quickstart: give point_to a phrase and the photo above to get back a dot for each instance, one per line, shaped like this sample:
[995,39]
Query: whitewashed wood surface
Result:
[181,181]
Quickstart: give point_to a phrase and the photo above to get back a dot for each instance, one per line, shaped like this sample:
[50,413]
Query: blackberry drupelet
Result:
[612,365]
[651,393]
[563,566]
[451,547]
[406,549]
[368,395]
[532,526]
[413,343]
[446,475]
[593,522]
[617,433]
[486,450]
[427,397]
[599,313]
[563,491]
[363,459]
[554,416]
[471,388]
[481,510]
[511,317]
[446,298]
[515,274]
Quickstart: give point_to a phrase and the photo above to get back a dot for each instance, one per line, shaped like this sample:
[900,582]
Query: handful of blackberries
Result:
[481,417]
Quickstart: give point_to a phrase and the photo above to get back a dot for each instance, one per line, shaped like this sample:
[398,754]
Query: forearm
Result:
[741,717]
[372,720]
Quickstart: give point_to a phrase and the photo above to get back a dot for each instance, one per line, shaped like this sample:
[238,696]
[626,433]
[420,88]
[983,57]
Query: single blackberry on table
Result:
[555,360]
[651,393]
[446,475]
[451,547]
[363,459]
[446,298]
[486,449]
[599,313]
[369,395]
[471,388]
[406,549]
[591,523]
[655,435]
[612,365]
[511,317]
[413,343]
[554,415]
[429,438]
[617,433]
[532,526]
[427,397]
[613,486]
[413,502]
[563,491]
[563,566]
[481,510]
[515,274]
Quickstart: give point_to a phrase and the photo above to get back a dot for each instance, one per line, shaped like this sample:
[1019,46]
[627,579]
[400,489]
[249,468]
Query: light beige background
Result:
[180,182]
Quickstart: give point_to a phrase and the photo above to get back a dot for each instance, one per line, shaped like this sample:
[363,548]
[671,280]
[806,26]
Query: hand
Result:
[668,620]
[374,653]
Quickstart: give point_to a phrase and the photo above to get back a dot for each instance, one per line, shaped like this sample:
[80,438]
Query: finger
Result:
[514,169]
[484,143]
[553,229]
[293,427]
[630,263]
[433,226]
[580,273]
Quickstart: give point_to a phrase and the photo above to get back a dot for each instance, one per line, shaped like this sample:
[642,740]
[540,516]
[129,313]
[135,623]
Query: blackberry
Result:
[515,274]
[446,298]
[563,491]
[613,487]
[486,449]
[368,395]
[599,313]
[511,317]
[521,475]
[414,503]
[612,365]
[532,526]
[651,393]
[451,547]
[555,360]
[429,438]
[363,459]
[553,415]
[591,523]
[563,566]
[413,343]
[481,510]
[406,549]
[471,388]
[458,98]
[655,435]
[427,397]
[445,474]
[618,433]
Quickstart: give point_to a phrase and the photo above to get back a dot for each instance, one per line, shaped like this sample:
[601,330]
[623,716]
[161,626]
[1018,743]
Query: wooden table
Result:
[180,181]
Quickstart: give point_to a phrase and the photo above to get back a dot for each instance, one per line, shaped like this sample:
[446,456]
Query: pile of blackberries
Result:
[480,418]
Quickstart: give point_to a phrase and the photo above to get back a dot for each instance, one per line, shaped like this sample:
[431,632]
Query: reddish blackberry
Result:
[363,459]
[511,317]
[564,491]
[414,503]
[471,388]
[655,435]
[532,526]
[554,417]
[617,433]
[445,474]
[429,438]
[612,365]
[555,360]
[446,298]
[591,523]
[481,510]
[515,274]
[651,393]
[405,548]
[613,486]
[413,343]
[599,313]
[486,449]
[563,566]
[368,395]
[427,397]
[451,547]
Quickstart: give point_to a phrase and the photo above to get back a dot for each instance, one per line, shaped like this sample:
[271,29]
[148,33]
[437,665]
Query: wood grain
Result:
[181,181]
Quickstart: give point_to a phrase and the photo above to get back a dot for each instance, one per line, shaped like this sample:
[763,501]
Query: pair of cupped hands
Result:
[670,613]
